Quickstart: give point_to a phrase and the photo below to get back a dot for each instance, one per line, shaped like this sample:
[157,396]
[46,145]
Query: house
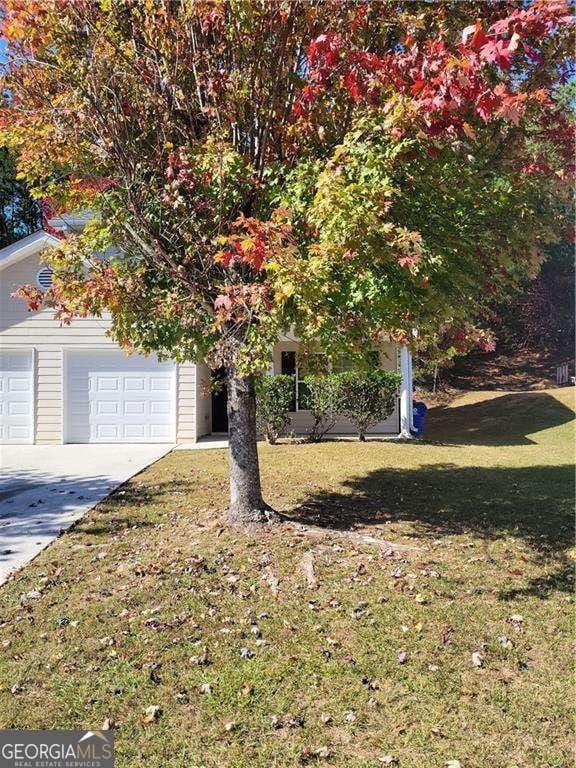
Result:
[73,384]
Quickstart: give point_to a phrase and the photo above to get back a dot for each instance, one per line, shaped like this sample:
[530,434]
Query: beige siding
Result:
[48,405]
[301,421]
[20,328]
[186,408]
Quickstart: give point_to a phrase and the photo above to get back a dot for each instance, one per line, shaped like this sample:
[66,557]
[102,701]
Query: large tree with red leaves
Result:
[352,169]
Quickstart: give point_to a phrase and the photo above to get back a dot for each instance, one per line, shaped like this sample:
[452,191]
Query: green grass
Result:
[154,577]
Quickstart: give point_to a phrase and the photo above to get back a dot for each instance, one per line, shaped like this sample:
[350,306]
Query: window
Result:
[290,367]
[44,278]
[313,364]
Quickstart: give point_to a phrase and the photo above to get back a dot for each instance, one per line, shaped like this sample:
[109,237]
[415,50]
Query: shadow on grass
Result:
[141,503]
[533,503]
[504,420]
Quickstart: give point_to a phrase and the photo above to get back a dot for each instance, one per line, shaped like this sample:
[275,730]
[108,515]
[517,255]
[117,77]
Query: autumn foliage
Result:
[354,170]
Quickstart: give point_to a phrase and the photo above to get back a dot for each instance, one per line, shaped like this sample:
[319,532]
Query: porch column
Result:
[405,392]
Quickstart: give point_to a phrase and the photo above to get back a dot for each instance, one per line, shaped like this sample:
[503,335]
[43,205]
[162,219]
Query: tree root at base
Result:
[261,515]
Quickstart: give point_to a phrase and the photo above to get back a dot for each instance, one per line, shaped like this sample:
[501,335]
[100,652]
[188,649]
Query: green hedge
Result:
[364,398]
[274,398]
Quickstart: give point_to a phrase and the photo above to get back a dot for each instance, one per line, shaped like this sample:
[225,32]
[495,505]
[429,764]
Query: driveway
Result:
[46,488]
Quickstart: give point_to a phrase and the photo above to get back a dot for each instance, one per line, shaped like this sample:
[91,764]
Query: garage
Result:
[114,398]
[16,396]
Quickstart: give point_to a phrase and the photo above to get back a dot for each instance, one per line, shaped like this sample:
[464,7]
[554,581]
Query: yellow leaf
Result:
[469,131]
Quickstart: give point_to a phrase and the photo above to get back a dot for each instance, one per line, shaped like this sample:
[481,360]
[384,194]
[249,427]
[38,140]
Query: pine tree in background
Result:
[20,215]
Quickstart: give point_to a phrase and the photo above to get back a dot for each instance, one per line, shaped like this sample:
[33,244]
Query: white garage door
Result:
[16,397]
[114,398]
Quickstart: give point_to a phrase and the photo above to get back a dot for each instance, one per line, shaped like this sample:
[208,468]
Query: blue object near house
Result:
[418,418]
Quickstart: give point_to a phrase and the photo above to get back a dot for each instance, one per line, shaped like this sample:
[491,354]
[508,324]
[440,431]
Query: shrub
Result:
[322,401]
[274,397]
[366,398]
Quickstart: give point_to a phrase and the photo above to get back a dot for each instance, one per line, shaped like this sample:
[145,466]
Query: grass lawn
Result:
[285,647]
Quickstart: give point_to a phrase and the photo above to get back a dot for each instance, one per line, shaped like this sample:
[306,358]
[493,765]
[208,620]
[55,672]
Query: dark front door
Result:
[219,402]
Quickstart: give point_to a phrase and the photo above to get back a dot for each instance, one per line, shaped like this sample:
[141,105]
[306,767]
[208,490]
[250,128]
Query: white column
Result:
[405,392]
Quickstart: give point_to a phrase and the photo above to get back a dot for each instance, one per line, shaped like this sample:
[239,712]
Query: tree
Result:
[352,169]
[20,215]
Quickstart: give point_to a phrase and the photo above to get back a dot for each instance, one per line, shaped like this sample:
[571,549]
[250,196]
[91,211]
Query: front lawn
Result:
[320,645]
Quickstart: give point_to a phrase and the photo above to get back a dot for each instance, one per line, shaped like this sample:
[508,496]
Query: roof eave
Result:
[25,247]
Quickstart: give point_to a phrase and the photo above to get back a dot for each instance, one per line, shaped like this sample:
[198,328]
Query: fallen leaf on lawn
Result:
[420,599]
[230,725]
[295,721]
[477,659]
[312,753]
[107,725]
[270,579]
[418,627]
[247,690]
[152,713]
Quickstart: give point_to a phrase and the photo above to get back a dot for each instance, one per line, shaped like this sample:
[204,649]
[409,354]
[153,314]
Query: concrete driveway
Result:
[46,488]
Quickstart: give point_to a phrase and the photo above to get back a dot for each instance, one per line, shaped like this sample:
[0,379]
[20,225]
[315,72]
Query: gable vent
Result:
[44,278]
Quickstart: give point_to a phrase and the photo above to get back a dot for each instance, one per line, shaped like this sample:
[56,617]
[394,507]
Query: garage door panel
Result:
[106,432]
[114,398]
[134,408]
[159,407]
[19,409]
[134,432]
[107,408]
[159,385]
[19,384]
[107,384]
[159,433]
[134,384]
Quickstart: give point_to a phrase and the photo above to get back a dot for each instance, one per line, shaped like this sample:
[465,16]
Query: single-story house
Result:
[73,384]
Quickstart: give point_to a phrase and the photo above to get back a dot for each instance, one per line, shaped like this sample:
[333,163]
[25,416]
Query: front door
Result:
[219,402]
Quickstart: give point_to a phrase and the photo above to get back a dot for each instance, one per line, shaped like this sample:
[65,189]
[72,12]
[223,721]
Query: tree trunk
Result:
[246,502]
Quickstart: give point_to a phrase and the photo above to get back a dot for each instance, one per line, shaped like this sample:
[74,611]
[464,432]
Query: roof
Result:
[27,246]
